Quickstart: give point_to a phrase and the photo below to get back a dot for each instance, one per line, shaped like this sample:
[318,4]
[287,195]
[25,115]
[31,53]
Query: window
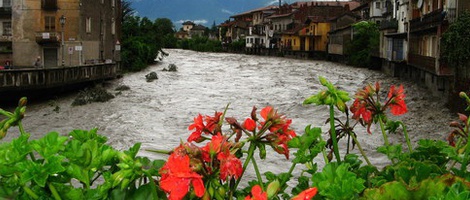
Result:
[377,5]
[7,28]
[88,24]
[113,26]
[6,3]
[49,22]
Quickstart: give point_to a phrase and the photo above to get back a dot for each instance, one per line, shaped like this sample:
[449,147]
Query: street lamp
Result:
[62,24]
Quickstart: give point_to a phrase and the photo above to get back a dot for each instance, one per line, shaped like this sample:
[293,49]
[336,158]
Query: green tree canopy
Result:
[456,42]
[365,40]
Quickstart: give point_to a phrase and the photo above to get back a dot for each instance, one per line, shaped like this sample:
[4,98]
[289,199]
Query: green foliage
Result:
[237,46]
[430,188]
[337,182]
[455,43]
[143,39]
[202,44]
[365,40]
[49,166]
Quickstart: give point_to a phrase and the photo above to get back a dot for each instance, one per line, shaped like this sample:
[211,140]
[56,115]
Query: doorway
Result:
[50,57]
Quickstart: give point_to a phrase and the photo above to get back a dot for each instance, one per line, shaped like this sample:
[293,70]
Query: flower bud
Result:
[273,188]
[455,124]
[323,80]
[253,114]
[463,95]
[22,102]
[341,105]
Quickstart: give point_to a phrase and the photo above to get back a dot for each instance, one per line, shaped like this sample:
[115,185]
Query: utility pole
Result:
[280,4]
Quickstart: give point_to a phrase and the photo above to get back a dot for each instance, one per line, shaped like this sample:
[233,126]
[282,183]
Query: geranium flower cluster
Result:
[191,168]
[277,125]
[367,107]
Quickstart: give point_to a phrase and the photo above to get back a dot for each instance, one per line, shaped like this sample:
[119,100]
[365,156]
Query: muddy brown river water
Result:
[158,113]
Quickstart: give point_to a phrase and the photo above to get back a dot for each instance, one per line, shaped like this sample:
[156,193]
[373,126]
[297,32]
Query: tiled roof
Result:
[198,27]
[352,4]
[188,23]
[255,10]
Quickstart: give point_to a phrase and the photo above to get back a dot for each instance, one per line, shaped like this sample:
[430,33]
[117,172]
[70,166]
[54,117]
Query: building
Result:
[65,32]
[197,30]
[5,33]
[341,35]
[188,25]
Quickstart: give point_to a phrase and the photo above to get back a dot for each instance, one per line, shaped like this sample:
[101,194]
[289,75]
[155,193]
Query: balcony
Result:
[50,5]
[388,8]
[428,21]
[5,11]
[5,38]
[389,24]
[48,38]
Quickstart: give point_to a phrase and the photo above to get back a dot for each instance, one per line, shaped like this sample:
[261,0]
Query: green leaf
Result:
[337,182]
[392,190]
[144,192]
[49,144]
[309,145]
[83,136]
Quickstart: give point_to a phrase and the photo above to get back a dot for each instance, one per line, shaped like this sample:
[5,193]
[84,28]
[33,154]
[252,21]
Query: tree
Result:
[455,43]
[365,40]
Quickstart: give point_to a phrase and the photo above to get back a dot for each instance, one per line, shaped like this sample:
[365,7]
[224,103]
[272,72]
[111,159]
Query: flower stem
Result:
[382,128]
[360,148]
[333,133]
[258,175]
[407,138]
[251,151]
[325,157]
[54,192]
[20,126]
[30,192]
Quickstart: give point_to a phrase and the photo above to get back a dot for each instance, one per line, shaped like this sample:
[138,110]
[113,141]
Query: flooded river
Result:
[158,113]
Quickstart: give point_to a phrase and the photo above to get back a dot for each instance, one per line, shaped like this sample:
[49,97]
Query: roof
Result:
[228,24]
[294,30]
[280,15]
[318,19]
[198,27]
[255,10]
[188,23]
[346,13]
[352,4]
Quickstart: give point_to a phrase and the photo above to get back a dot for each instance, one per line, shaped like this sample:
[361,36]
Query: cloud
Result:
[273,2]
[227,11]
[197,21]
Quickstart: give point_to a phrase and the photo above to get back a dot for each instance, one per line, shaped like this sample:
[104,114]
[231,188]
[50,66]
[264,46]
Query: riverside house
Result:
[410,33]
[62,32]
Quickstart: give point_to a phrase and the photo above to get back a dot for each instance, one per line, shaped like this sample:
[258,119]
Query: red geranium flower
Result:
[249,124]
[397,100]
[177,177]
[210,127]
[230,165]
[367,106]
[306,194]
[257,194]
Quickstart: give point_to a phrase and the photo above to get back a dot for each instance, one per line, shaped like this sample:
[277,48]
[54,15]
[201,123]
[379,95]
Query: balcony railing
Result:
[423,62]
[428,21]
[47,37]
[5,38]
[389,24]
[5,11]
[49,5]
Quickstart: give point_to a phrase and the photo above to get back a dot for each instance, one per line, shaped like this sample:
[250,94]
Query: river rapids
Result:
[157,114]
